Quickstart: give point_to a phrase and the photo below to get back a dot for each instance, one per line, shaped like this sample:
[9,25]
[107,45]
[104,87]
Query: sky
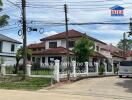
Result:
[41,12]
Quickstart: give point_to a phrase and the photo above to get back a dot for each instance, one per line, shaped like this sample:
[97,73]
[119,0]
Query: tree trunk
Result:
[17,66]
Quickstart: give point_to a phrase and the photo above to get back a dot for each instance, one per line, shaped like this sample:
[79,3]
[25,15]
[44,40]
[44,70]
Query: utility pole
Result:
[124,43]
[24,35]
[130,24]
[67,45]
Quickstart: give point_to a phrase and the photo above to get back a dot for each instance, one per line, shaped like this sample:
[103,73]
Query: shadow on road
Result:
[126,83]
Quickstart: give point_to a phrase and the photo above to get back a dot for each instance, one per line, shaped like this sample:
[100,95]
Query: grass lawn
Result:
[42,72]
[10,82]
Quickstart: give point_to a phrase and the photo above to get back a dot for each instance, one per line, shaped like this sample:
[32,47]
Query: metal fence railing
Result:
[42,69]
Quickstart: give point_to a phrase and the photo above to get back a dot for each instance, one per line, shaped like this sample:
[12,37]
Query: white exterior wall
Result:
[63,43]
[8,55]
[8,60]
[7,47]
[106,53]
[58,43]
[129,58]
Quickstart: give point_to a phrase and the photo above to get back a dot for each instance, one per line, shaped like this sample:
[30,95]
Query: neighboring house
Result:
[54,47]
[129,55]
[116,54]
[8,49]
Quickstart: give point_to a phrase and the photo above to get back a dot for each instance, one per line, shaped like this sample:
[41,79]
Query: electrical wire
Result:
[8,29]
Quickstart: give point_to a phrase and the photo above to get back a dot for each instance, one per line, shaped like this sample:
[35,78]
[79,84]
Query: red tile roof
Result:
[37,45]
[97,54]
[129,53]
[115,54]
[71,34]
[53,51]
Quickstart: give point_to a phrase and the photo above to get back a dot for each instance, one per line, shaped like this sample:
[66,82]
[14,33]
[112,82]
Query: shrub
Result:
[101,69]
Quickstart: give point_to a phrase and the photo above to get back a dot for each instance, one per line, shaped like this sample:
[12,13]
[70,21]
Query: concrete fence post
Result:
[97,68]
[86,65]
[112,69]
[74,68]
[28,69]
[3,69]
[105,68]
[56,70]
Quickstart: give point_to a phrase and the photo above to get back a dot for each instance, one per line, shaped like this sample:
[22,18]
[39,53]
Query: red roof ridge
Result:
[72,34]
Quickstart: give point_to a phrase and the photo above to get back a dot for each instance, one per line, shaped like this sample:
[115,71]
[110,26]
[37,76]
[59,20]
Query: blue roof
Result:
[117,8]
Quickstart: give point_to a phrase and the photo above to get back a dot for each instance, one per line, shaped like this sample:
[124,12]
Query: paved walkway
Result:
[108,88]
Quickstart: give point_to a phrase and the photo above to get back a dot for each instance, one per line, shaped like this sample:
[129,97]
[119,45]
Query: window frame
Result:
[51,45]
[71,42]
[12,47]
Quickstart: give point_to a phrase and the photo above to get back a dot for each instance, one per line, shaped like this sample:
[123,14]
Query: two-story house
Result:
[8,49]
[54,47]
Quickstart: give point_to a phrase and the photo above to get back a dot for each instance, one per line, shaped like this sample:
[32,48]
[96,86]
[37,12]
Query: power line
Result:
[8,29]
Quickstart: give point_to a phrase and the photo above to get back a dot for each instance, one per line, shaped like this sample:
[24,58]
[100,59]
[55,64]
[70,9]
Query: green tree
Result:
[128,45]
[3,18]
[19,56]
[83,49]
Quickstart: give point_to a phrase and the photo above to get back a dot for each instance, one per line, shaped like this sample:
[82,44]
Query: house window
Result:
[97,48]
[43,59]
[52,44]
[38,60]
[34,49]
[12,47]
[1,46]
[33,59]
[71,44]
[39,49]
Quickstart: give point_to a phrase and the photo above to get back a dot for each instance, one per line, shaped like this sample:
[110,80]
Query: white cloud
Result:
[50,33]
[90,14]
[111,41]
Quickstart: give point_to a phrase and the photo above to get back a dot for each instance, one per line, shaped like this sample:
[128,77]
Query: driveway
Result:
[105,88]
[108,88]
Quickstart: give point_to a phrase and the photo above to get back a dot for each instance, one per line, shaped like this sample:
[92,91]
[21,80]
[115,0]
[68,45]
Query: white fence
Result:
[59,71]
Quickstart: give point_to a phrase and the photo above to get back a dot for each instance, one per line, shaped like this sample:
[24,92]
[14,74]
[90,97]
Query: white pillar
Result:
[86,65]
[56,70]
[3,69]
[97,68]
[28,69]
[105,68]
[112,69]
[112,66]
[74,68]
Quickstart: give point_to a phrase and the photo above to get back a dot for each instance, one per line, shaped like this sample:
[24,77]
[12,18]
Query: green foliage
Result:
[83,49]
[2,60]
[1,3]
[101,69]
[10,82]
[4,18]
[20,53]
[128,44]
[19,56]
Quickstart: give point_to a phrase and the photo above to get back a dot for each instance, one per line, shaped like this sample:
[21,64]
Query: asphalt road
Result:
[108,88]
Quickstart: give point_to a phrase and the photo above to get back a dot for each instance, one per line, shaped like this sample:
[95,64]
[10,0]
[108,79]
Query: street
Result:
[107,88]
